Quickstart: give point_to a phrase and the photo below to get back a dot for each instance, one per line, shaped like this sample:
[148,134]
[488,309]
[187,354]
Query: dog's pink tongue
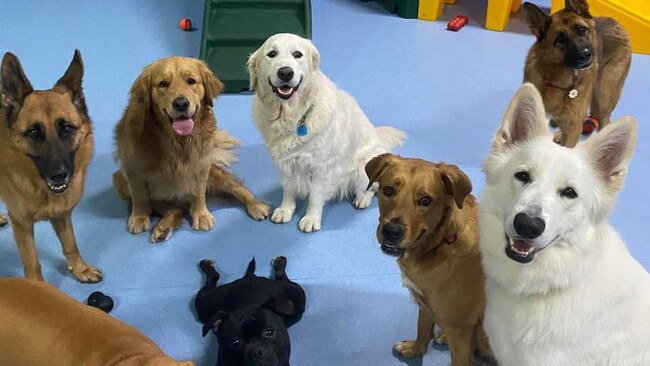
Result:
[521,245]
[183,127]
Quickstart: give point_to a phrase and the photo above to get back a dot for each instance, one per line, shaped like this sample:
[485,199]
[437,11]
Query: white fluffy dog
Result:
[316,133]
[562,288]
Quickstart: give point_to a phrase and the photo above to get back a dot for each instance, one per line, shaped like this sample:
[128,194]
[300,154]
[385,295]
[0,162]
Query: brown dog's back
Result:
[39,325]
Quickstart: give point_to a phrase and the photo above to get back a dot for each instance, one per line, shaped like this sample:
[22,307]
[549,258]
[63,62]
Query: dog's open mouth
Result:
[182,125]
[57,188]
[285,91]
[520,251]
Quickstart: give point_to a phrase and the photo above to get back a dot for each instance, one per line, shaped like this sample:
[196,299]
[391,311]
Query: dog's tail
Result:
[207,266]
[250,271]
[391,137]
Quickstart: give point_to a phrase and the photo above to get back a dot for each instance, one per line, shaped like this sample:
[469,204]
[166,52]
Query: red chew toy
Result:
[457,23]
[185,24]
[589,125]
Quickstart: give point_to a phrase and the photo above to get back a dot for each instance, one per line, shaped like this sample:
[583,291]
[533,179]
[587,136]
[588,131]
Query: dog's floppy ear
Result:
[281,306]
[211,84]
[253,70]
[71,82]
[14,85]
[141,92]
[457,184]
[579,7]
[538,21]
[377,166]
[524,119]
[212,325]
[611,149]
[314,58]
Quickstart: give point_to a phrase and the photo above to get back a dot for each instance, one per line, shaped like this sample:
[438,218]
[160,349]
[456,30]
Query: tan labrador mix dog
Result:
[46,143]
[579,64]
[40,325]
[428,218]
[171,153]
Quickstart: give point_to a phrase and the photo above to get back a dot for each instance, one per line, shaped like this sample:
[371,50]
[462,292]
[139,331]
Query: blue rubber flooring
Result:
[447,90]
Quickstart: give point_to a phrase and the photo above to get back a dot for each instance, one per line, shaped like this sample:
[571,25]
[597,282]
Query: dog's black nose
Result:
[529,227]
[393,231]
[285,73]
[584,55]
[181,104]
[59,178]
[256,353]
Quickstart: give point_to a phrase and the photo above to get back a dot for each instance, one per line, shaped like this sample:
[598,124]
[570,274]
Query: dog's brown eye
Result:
[235,343]
[523,177]
[271,54]
[297,54]
[425,201]
[580,30]
[269,333]
[569,192]
[560,39]
[163,84]
[389,191]
[35,132]
[191,81]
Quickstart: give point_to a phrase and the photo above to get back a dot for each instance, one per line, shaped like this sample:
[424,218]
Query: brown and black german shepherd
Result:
[46,143]
[579,64]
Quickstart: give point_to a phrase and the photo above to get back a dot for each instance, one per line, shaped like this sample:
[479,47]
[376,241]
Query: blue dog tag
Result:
[301,130]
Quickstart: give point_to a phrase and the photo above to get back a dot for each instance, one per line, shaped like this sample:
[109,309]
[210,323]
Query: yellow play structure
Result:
[634,15]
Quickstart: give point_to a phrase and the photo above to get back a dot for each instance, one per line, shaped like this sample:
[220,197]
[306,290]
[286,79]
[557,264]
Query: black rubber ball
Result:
[100,301]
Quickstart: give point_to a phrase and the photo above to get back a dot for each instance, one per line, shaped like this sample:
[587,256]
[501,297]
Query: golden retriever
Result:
[46,143]
[170,152]
[430,220]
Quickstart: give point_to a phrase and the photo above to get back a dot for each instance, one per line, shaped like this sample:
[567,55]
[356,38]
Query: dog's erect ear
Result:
[611,150]
[538,21]
[14,85]
[579,7]
[72,79]
[457,184]
[314,58]
[253,70]
[212,85]
[524,119]
[377,166]
[281,306]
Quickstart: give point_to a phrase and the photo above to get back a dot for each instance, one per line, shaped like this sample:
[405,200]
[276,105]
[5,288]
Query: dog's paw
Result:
[3,221]
[258,210]
[363,200]
[161,232]
[282,215]
[86,273]
[138,224]
[557,138]
[309,223]
[440,338]
[410,349]
[203,221]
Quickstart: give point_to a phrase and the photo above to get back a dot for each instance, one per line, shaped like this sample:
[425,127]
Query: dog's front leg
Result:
[139,220]
[80,269]
[312,220]
[24,235]
[284,213]
[417,347]
[202,219]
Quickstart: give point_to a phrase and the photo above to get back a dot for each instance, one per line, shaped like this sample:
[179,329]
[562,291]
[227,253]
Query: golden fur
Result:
[432,203]
[43,326]
[166,173]
[42,130]
[599,86]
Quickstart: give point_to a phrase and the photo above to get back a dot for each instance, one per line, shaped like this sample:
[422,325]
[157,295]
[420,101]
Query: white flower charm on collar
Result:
[573,93]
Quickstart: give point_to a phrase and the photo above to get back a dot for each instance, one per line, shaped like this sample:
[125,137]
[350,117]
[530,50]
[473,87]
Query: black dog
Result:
[250,316]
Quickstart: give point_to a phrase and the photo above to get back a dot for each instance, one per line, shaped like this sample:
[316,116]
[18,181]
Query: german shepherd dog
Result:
[46,143]
[578,63]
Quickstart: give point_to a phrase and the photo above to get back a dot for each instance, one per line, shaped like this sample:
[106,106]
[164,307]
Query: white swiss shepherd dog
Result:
[316,133]
[562,289]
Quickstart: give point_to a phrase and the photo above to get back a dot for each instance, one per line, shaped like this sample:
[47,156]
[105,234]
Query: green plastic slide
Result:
[233,29]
